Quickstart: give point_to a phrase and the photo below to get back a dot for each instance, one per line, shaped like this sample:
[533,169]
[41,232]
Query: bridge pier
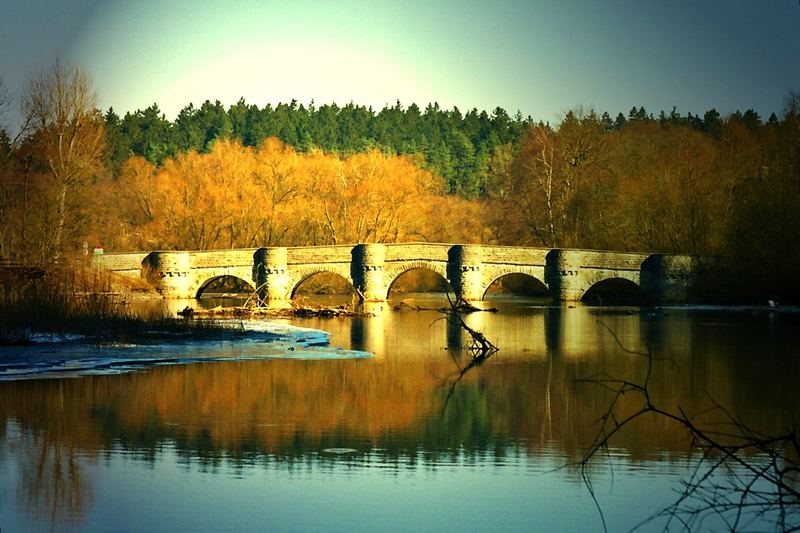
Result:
[271,273]
[169,273]
[465,271]
[367,272]
[562,274]
[667,278]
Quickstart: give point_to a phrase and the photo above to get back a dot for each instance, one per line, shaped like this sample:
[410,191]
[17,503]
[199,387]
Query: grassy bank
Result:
[80,300]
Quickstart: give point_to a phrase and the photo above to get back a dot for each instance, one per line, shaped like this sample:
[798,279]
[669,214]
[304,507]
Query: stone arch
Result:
[297,278]
[392,274]
[500,273]
[614,289]
[202,286]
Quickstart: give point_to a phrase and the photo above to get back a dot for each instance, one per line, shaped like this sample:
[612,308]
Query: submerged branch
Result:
[480,348]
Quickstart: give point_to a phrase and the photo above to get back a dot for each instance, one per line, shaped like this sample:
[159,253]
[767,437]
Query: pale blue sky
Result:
[539,57]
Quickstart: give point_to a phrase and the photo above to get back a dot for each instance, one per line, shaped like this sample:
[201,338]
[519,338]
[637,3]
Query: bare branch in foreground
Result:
[742,477]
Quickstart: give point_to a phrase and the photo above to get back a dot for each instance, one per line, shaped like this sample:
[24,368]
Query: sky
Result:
[539,57]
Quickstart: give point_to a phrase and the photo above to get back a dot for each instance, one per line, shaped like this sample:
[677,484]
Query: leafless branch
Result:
[742,476]
[480,348]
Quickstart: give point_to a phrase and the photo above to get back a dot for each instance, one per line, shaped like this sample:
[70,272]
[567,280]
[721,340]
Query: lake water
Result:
[244,435]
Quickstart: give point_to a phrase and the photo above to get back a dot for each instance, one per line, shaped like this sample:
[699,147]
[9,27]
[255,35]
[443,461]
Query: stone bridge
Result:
[470,269]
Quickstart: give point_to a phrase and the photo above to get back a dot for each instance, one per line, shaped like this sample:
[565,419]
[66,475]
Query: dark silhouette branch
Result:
[741,476]
[480,348]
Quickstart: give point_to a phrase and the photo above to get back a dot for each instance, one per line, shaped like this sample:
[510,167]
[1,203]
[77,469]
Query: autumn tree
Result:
[384,194]
[670,188]
[368,197]
[68,133]
[201,196]
[135,224]
[553,175]
[764,230]
[278,179]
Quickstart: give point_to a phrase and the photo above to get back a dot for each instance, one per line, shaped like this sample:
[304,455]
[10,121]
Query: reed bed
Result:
[83,301]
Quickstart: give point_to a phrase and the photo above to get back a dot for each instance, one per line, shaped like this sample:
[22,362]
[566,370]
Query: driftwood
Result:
[479,350]
[265,312]
[459,306]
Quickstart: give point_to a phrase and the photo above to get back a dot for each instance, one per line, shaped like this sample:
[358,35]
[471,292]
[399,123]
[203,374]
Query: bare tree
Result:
[67,130]
[553,176]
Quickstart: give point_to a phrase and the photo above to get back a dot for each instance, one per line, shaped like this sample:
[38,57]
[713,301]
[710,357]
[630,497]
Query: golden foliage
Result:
[238,197]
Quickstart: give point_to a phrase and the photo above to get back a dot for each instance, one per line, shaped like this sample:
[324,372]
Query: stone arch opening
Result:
[615,291]
[418,279]
[517,284]
[225,286]
[323,284]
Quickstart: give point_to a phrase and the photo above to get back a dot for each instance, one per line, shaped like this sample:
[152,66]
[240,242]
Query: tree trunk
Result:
[61,209]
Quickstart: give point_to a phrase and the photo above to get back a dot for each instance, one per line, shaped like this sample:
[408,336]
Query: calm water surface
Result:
[394,441]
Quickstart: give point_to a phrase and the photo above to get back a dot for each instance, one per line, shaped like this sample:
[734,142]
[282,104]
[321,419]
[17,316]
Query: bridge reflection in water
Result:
[534,331]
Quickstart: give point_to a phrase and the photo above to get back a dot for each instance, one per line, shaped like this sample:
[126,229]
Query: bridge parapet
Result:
[129,264]
[508,255]
[609,260]
[420,251]
[242,257]
[319,254]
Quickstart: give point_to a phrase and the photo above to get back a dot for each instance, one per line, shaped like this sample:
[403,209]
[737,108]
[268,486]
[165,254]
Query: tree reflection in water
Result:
[740,475]
[282,414]
[51,485]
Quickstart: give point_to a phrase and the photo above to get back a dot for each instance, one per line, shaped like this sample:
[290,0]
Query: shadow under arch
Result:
[322,283]
[517,284]
[615,291]
[225,285]
[418,278]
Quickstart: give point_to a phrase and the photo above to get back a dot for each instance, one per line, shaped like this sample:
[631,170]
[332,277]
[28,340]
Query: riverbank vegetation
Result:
[76,302]
[292,174]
